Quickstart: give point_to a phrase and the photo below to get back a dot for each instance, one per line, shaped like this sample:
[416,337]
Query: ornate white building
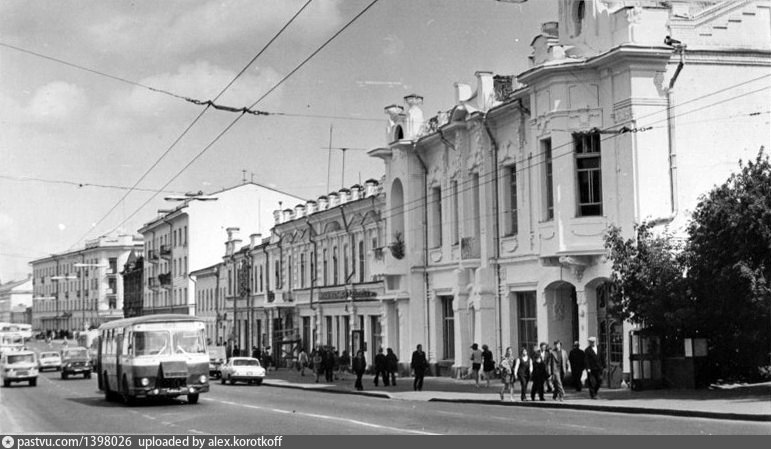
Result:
[630,111]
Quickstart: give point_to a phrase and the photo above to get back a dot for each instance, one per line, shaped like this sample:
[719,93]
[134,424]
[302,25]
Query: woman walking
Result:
[476,362]
[524,369]
[359,366]
[488,364]
[507,373]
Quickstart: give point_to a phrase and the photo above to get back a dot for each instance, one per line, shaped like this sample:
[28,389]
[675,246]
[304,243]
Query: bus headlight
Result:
[202,379]
[145,381]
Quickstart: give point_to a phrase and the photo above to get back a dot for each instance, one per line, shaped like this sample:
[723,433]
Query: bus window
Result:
[151,343]
[189,341]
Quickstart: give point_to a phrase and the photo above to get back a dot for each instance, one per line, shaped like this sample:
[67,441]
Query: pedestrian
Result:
[539,377]
[558,369]
[476,363]
[381,365]
[329,364]
[577,362]
[418,366]
[359,366]
[345,361]
[338,369]
[523,368]
[255,353]
[302,361]
[392,365]
[228,351]
[545,354]
[507,373]
[488,364]
[236,350]
[318,367]
[594,367]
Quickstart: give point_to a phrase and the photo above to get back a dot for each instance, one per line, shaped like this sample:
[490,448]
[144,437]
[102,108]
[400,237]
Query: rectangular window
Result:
[588,173]
[278,274]
[312,261]
[361,261]
[435,215]
[328,320]
[528,324]
[261,284]
[324,266]
[302,270]
[291,271]
[513,210]
[345,263]
[448,328]
[549,186]
[334,266]
[475,205]
[455,214]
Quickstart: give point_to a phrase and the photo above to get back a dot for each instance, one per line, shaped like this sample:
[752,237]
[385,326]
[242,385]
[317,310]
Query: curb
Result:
[552,405]
[618,409]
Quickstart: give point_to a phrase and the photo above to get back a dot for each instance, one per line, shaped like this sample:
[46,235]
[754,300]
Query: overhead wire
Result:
[237,119]
[197,118]
[82,184]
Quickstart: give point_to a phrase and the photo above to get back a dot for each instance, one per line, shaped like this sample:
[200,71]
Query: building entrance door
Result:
[610,339]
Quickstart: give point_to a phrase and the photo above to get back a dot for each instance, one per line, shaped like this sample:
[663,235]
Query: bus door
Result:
[121,358]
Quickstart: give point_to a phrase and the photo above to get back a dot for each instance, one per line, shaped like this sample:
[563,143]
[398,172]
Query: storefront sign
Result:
[344,294]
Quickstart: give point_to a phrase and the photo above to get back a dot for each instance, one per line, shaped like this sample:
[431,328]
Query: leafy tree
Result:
[729,255]
[648,278]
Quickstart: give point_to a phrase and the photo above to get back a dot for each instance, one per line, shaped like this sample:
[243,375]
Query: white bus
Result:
[153,356]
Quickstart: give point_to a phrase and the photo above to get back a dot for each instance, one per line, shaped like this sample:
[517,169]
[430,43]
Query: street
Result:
[76,406]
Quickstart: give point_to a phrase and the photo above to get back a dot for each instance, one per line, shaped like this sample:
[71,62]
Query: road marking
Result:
[326,417]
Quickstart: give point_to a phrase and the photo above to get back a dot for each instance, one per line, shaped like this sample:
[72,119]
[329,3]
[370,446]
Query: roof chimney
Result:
[255,240]
[414,116]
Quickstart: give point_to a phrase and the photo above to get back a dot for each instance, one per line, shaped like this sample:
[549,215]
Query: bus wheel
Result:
[33,382]
[87,375]
[192,398]
[222,380]
[258,381]
[64,375]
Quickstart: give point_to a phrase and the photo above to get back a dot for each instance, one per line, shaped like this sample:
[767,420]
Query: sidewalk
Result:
[749,403]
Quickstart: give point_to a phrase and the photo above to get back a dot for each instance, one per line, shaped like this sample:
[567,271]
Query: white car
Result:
[19,366]
[242,369]
[49,360]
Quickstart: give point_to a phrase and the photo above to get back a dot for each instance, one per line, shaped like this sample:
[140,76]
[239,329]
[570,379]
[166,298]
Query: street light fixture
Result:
[199,196]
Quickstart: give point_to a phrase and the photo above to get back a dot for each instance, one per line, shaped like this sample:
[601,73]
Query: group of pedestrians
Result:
[547,368]
[386,366]
[324,361]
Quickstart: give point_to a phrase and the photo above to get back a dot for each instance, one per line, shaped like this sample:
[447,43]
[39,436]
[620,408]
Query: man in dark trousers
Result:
[558,368]
[381,365]
[594,367]
[576,358]
[392,365]
[418,365]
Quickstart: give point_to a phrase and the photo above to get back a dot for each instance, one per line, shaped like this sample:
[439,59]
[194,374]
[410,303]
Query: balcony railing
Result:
[165,280]
[166,251]
[152,255]
[153,283]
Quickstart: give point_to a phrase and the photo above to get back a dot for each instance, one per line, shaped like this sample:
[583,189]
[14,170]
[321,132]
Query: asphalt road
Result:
[77,406]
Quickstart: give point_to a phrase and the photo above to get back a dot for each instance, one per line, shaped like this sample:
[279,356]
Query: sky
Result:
[73,141]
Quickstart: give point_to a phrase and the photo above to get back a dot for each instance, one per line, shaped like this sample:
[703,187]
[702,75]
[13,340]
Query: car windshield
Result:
[246,362]
[22,358]
[158,342]
[48,355]
[75,353]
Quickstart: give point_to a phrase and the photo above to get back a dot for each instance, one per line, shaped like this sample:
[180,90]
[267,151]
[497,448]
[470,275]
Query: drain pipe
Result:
[425,249]
[497,232]
[671,137]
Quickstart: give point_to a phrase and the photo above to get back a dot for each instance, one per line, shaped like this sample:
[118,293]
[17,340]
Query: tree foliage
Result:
[729,259]
[717,285]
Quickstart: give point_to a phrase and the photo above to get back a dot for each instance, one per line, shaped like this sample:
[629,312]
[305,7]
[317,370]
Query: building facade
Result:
[133,285]
[628,113]
[210,302]
[184,239]
[15,299]
[81,289]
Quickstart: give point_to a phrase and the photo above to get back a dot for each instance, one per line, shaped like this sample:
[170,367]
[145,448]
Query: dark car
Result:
[76,361]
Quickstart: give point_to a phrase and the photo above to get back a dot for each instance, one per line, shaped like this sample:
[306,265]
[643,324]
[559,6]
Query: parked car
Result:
[214,368]
[18,366]
[49,360]
[242,369]
[75,361]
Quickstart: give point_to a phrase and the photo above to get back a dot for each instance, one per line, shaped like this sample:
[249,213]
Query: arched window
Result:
[398,133]
[578,16]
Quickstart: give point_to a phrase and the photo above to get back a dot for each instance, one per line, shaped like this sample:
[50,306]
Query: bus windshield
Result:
[159,342]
